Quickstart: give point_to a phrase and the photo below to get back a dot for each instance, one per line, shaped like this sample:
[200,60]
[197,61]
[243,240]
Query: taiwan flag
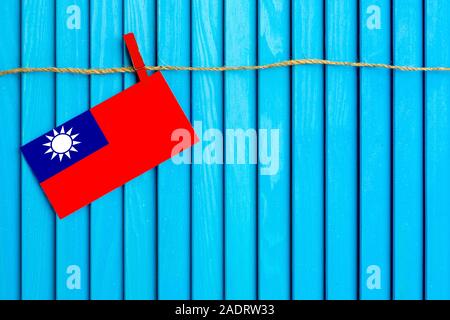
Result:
[107,146]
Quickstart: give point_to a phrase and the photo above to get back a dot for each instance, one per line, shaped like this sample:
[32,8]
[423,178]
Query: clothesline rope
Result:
[286,63]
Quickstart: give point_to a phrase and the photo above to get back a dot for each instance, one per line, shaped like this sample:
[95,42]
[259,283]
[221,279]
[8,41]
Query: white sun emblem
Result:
[61,143]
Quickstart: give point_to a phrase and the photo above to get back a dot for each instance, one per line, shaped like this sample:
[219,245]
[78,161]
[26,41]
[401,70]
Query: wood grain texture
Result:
[9,153]
[437,152]
[274,111]
[140,193]
[207,179]
[408,152]
[307,152]
[72,98]
[174,180]
[240,178]
[38,115]
[341,151]
[107,212]
[375,150]
[213,231]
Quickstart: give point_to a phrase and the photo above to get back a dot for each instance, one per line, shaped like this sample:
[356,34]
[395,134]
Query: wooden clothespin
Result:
[136,58]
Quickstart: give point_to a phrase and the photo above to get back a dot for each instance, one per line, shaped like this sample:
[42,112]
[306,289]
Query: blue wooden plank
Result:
[38,116]
[274,180]
[174,178]
[341,156]
[240,173]
[375,151]
[9,152]
[72,98]
[307,152]
[408,152]
[107,212]
[207,171]
[140,193]
[437,151]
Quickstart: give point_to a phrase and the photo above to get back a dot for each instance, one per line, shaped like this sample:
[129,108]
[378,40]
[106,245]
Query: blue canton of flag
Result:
[63,146]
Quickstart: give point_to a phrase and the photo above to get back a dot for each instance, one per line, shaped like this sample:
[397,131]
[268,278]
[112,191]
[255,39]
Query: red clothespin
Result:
[136,58]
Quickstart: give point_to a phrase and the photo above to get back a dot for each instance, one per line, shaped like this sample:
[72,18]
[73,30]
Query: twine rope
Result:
[286,63]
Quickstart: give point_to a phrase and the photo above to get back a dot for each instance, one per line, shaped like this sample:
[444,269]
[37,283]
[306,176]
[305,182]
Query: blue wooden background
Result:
[358,209]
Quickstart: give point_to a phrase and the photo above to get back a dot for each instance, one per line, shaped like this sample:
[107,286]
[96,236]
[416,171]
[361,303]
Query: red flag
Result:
[112,143]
